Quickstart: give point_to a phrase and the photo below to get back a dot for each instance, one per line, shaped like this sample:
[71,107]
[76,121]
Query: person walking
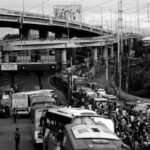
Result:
[14,115]
[17,138]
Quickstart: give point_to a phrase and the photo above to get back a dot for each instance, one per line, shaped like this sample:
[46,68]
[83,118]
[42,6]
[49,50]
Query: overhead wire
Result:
[37,5]
[98,4]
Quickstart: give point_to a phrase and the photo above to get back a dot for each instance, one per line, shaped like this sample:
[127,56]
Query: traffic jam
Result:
[94,119]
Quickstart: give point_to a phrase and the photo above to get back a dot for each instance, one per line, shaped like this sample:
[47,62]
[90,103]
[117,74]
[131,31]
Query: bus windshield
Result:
[83,120]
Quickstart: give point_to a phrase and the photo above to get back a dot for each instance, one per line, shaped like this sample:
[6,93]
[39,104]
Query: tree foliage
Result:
[137,73]
[11,36]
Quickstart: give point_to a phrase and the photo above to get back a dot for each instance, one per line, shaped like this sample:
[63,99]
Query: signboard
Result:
[19,100]
[68,12]
[93,131]
[9,66]
[5,101]
[79,80]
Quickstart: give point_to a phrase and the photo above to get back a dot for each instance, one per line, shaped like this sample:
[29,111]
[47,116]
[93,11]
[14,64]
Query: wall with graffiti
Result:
[68,12]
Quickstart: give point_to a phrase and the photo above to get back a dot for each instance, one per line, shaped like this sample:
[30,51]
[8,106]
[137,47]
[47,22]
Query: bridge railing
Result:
[48,17]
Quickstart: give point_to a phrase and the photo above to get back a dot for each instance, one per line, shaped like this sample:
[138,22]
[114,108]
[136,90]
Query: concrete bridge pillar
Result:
[95,50]
[64,58]
[126,41]
[112,51]
[104,52]
[58,35]
[1,53]
[24,33]
[6,58]
[95,53]
[43,34]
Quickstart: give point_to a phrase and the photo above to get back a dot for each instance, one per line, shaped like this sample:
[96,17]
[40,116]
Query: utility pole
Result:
[131,22]
[111,19]
[21,21]
[70,82]
[120,20]
[23,6]
[148,11]
[106,86]
[42,7]
[101,16]
[125,25]
[138,18]
[116,21]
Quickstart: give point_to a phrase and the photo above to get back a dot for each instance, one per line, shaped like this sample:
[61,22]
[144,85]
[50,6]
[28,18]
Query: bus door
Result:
[36,128]
[53,136]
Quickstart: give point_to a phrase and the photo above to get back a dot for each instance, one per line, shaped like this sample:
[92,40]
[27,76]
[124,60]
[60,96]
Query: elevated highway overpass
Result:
[19,45]
[44,23]
[37,52]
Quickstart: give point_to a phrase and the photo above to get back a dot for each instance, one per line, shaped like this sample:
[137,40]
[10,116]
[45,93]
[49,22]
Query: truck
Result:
[20,102]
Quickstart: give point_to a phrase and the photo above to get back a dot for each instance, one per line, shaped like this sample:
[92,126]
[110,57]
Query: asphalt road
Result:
[25,82]
[28,82]
[7,129]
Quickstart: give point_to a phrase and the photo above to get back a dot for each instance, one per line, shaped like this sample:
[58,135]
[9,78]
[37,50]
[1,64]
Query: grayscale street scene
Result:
[75,75]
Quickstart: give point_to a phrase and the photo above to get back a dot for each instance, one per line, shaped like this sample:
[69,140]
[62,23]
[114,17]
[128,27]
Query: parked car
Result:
[101,92]
[99,101]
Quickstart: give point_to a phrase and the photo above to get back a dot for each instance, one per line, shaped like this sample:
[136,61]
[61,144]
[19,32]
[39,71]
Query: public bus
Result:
[36,113]
[59,117]
[41,99]
[90,137]
[43,91]
[110,97]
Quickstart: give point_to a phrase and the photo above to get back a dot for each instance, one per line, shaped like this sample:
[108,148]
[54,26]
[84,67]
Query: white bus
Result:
[90,137]
[59,117]
[41,99]
[36,113]
[44,91]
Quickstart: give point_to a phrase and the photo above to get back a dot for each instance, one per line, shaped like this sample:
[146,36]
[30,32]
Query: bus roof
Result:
[109,96]
[37,91]
[71,112]
[36,107]
[99,99]
[42,97]
[91,136]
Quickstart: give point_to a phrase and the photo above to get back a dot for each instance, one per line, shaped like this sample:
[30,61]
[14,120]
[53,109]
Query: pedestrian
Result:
[14,115]
[17,138]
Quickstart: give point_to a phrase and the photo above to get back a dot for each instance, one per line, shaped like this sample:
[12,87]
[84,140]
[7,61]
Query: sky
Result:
[95,12]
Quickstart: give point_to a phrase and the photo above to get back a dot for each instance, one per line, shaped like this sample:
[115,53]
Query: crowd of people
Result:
[132,126]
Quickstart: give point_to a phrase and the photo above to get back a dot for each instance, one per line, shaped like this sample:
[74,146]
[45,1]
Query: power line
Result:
[98,4]
[37,5]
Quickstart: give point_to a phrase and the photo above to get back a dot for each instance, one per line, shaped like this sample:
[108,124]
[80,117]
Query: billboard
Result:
[9,66]
[68,12]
